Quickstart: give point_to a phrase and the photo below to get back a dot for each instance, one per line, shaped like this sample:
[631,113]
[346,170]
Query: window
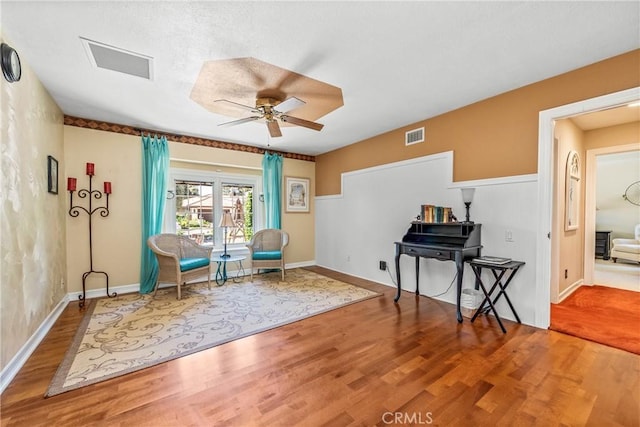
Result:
[238,199]
[194,210]
[199,200]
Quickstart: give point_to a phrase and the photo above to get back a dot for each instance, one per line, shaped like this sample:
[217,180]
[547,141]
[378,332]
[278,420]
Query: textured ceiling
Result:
[396,62]
[243,80]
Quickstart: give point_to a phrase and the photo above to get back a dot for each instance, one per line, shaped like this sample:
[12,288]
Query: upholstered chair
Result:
[266,250]
[180,260]
[628,249]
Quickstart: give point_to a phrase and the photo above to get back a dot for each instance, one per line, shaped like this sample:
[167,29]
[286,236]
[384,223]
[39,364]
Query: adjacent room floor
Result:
[621,275]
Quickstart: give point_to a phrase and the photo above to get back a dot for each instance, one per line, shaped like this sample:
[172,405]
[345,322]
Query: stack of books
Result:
[492,260]
[436,214]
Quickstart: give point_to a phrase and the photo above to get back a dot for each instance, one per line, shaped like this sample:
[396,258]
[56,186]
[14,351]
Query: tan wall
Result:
[300,226]
[570,256]
[492,138]
[628,133]
[116,238]
[32,277]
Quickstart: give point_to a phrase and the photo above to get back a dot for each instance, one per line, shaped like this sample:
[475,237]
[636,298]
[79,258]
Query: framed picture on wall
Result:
[572,191]
[296,192]
[52,174]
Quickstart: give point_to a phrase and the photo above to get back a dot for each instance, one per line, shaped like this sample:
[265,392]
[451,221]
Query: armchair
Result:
[180,259]
[266,249]
[628,249]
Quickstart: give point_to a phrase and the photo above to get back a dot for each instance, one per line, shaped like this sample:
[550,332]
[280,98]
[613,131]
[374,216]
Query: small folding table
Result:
[499,271]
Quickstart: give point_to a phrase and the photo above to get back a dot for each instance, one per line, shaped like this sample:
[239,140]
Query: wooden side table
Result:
[603,244]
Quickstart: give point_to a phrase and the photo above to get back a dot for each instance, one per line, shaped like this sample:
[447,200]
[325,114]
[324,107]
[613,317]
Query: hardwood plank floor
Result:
[370,363]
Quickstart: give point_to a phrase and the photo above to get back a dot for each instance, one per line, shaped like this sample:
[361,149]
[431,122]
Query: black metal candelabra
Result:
[74,211]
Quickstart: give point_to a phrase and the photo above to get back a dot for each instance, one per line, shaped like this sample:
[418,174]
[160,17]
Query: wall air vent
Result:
[120,60]
[414,136]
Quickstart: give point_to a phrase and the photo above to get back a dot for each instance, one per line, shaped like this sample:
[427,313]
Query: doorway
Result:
[546,239]
[613,168]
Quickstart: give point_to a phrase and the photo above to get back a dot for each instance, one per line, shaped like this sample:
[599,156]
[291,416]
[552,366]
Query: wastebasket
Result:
[470,301]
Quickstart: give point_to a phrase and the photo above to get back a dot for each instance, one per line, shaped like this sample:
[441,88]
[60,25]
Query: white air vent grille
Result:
[414,136]
[116,59]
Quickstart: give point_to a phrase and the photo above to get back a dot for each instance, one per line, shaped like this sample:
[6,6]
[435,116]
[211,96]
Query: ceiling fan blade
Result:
[240,121]
[289,104]
[301,122]
[235,104]
[274,129]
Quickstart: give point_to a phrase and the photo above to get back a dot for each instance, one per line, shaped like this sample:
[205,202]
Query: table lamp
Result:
[226,221]
[467,198]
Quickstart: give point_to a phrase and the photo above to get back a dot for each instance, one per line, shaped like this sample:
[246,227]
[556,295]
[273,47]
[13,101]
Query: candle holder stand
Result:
[74,211]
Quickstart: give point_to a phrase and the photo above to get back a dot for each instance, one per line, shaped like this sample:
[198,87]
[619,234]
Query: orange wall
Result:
[492,138]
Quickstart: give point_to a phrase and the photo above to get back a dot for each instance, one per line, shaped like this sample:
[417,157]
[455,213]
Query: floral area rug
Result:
[132,332]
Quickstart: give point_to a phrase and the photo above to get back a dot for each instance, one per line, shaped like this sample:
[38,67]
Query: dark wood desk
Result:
[456,242]
[498,271]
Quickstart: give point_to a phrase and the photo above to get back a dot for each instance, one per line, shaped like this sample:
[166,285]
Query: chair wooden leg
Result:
[155,288]
[179,285]
[282,269]
[251,274]
[209,278]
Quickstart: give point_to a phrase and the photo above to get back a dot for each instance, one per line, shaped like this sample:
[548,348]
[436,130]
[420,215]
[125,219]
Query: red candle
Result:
[71,184]
[107,187]
[90,169]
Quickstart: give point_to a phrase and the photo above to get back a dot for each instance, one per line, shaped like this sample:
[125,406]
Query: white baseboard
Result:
[300,264]
[98,293]
[17,362]
[571,289]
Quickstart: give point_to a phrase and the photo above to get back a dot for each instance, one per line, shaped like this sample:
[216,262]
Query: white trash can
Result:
[470,301]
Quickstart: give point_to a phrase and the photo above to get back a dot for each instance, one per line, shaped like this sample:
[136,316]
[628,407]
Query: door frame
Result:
[546,239]
[590,204]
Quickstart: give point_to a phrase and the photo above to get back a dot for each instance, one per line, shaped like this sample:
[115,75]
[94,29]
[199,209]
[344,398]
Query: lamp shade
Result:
[226,220]
[467,194]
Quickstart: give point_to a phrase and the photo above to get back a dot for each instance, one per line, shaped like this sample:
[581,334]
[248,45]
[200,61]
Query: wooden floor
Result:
[370,363]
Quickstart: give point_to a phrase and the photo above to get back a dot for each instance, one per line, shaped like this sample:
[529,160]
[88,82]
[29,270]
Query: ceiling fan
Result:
[272,110]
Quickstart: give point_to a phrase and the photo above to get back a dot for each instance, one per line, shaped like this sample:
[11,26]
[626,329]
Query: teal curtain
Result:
[272,185]
[155,168]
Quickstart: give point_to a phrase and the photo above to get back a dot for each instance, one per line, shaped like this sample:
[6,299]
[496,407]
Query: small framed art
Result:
[572,191]
[52,174]
[296,194]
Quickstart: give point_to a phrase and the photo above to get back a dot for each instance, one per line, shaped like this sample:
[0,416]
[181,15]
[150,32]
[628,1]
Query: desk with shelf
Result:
[453,241]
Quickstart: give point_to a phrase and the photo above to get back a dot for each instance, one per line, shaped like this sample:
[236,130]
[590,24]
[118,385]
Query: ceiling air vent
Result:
[116,59]
[414,136]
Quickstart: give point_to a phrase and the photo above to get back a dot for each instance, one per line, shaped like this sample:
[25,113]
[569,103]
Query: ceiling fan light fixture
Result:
[255,86]
[269,110]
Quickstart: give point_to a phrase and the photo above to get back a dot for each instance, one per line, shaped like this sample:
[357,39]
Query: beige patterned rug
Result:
[132,332]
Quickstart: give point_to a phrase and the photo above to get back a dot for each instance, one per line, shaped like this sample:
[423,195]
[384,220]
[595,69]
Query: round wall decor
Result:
[632,193]
[10,62]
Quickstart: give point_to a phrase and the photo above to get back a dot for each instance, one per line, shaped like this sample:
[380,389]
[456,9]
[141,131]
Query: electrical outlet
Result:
[383,265]
[566,274]
[508,236]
